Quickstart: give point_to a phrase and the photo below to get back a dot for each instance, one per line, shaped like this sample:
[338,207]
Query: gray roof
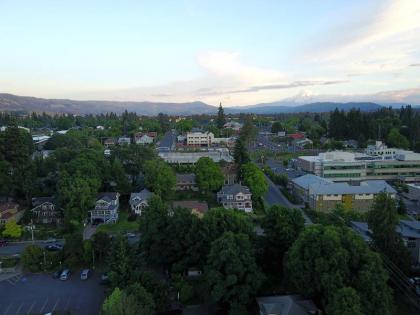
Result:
[234,189]
[406,228]
[365,187]
[37,201]
[185,178]
[307,180]
[285,305]
[136,198]
[107,196]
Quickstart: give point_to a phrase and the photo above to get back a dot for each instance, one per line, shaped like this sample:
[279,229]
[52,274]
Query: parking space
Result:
[40,294]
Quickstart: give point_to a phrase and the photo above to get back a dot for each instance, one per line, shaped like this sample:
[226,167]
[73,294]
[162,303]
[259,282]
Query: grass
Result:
[122,226]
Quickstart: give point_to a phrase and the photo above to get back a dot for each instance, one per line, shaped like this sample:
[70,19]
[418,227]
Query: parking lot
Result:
[40,294]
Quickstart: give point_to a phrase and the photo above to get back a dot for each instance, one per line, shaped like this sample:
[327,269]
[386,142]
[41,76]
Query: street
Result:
[14,248]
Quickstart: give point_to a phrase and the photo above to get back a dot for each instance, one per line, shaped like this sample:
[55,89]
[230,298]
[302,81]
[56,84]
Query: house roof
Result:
[296,136]
[136,198]
[405,227]
[107,196]
[37,201]
[199,206]
[185,178]
[234,189]
[365,187]
[6,206]
[286,305]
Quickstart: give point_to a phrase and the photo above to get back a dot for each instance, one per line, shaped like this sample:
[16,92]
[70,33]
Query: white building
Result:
[200,138]
[178,157]
[144,139]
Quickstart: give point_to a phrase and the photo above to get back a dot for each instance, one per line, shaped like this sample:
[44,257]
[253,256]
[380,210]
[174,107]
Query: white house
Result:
[139,201]
[144,139]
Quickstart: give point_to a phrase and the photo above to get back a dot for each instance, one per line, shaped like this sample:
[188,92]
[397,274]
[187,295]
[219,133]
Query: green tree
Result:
[276,127]
[157,288]
[101,244]
[383,220]
[231,272]
[396,140]
[120,177]
[325,259]
[113,304]
[12,229]
[240,153]
[254,178]
[209,176]
[184,125]
[32,257]
[282,227]
[160,177]
[221,119]
[345,301]
[120,263]
[137,301]
[401,207]
[249,131]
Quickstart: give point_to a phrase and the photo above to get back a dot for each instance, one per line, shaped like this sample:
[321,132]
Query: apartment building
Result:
[200,139]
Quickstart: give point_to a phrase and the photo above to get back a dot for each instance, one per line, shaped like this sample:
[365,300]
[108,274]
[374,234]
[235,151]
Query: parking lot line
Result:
[32,306]
[55,305]
[43,306]
[7,309]
[19,308]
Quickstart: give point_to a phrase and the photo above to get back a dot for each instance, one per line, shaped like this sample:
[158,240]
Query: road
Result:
[275,197]
[18,247]
[168,142]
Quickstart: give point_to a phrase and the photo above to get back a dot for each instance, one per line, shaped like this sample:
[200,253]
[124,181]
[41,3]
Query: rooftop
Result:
[234,189]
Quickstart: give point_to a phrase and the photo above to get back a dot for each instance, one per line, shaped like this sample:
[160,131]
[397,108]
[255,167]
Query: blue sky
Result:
[237,52]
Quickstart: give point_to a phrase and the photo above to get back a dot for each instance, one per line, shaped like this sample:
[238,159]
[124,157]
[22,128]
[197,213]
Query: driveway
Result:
[40,293]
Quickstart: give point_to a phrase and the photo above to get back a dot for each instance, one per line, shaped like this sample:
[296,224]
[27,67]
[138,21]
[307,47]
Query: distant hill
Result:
[10,102]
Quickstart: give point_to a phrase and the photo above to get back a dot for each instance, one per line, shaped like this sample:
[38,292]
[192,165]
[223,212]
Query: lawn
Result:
[122,226]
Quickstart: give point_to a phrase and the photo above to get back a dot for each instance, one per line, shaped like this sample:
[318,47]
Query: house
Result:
[106,208]
[197,207]
[235,196]
[322,194]
[286,305]
[100,127]
[139,201]
[124,141]
[46,210]
[296,136]
[303,143]
[186,182]
[409,231]
[107,152]
[9,210]
[234,125]
[109,142]
[144,139]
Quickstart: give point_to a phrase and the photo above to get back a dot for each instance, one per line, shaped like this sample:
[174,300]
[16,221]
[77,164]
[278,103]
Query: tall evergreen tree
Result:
[221,119]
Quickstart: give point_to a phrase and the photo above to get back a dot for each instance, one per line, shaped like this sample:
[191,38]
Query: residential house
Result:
[46,210]
[124,141]
[197,207]
[409,231]
[139,201]
[145,138]
[186,182]
[107,152]
[234,125]
[235,196]
[9,210]
[286,305]
[109,142]
[100,127]
[106,208]
[322,194]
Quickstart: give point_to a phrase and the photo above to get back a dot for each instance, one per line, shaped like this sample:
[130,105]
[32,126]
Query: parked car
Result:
[54,247]
[57,274]
[65,275]
[3,243]
[50,240]
[85,274]
[130,235]
[104,278]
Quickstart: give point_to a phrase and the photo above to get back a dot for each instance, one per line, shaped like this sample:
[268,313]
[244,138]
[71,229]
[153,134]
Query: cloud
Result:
[415,65]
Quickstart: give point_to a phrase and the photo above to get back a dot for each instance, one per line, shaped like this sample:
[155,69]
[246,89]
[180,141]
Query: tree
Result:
[401,207]
[113,304]
[325,259]
[396,140]
[32,258]
[12,229]
[120,263]
[254,178]
[120,177]
[249,131]
[184,125]
[240,153]
[276,127]
[101,244]
[282,227]
[157,288]
[345,301]
[137,301]
[231,272]
[209,176]
[383,220]
[221,119]
[159,177]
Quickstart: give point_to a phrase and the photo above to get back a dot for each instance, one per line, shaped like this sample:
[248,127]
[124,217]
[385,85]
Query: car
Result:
[3,243]
[85,274]
[104,278]
[54,247]
[50,240]
[130,235]
[65,275]
[57,274]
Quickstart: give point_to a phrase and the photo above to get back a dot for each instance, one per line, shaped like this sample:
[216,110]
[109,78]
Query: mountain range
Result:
[10,102]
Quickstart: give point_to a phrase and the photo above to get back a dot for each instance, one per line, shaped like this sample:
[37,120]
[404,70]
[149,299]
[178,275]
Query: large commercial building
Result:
[200,139]
[392,164]
[184,157]
[322,194]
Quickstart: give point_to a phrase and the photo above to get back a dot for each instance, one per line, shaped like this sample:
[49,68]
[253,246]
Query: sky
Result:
[237,52]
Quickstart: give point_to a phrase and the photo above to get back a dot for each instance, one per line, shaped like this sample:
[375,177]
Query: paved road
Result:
[40,294]
[19,247]
[168,142]
[275,197]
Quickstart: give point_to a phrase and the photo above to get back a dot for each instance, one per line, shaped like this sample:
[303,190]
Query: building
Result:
[9,210]
[235,196]
[124,141]
[286,305]
[409,231]
[349,166]
[109,142]
[139,201]
[177,157]
[200,139]
[234,125]
[186,182]
[106,208]
[322,194]
[197,207]
[144,139]
[46,210]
